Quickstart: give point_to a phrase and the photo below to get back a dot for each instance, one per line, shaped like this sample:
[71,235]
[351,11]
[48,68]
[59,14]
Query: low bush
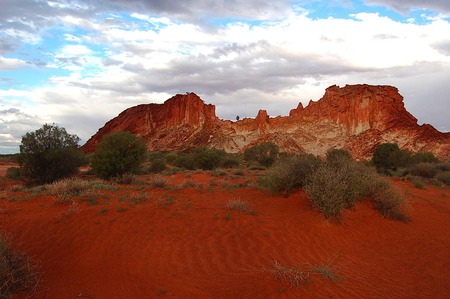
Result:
[158,181]
[424,169]
[240,206]
[443,166]
[389,201]
[18,274]
[158,165]
[424,157]
[65,189]
[13,173]
[289,173]
[264,153]
[444,177]
[327,190]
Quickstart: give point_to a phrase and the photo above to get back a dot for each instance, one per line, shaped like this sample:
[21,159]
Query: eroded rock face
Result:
[355,117]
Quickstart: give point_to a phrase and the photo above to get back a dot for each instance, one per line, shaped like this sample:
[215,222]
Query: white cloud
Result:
[11,63]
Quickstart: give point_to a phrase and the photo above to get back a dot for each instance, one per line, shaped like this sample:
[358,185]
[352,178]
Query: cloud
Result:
[404,6]
[11,63]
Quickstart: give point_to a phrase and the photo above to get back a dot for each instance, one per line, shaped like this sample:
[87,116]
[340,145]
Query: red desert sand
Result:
[184,243]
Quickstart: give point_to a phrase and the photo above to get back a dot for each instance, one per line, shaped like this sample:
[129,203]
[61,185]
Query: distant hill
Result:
[355,117]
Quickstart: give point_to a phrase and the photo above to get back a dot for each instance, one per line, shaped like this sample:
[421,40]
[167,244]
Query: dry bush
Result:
[289,173]
[126,179]
[327,190]
[444,177]
[389,201]
[18,274]
[425,170]
[158,181]
[189,184]
[65,189]
[294,277]
[240,206]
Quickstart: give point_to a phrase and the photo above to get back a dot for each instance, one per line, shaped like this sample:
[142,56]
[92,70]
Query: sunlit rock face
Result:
[355,117]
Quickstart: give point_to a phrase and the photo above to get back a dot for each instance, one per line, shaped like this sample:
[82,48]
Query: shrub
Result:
[118,153]
[65,189]
[444,177]
[338,156]
[230,162]
[424,169]
[388,156]
[389,201]
[289,173]
[443,166]
[264,153]
[425,157]
[240,206]
[207,158]
[49,154]
[158,165]
[13,173]
[158,181]
[17,272]
[186,161]
[327,190]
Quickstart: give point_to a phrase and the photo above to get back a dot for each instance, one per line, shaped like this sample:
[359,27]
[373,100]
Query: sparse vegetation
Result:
[264,153]
[292,276]
[389,201]
[117,154]
[65,189]
[157,166]
[18,274]
[289,173]
[240,206]
[13,173]
[49,154]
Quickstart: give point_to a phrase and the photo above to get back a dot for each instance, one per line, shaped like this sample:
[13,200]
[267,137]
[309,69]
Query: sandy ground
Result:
[5,166]
[184,243]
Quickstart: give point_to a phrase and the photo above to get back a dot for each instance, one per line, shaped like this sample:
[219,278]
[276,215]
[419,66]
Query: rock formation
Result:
[355,117]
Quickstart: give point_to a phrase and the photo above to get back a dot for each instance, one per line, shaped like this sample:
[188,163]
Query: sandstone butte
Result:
[356,118]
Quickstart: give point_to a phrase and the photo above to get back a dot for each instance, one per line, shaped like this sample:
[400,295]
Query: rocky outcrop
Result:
[355,117]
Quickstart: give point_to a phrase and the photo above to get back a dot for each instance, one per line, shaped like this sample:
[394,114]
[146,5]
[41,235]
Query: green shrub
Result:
[444,177]
[13,173]
[158,165]
[418,183]
[388,156]
[230,162]
[289,173]
[424,169]
[186,161]
[264,153]
[443,166]
[170,157]
[18,274]
[207,158]
[117,154]
[49,154]
[424,157]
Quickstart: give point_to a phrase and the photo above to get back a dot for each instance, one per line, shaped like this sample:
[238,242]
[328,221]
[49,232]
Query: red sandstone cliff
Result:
[354,117]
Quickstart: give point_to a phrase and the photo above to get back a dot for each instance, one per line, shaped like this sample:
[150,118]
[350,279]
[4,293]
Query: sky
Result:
[80,63]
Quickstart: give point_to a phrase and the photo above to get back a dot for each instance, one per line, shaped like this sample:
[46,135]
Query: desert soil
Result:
[184,243]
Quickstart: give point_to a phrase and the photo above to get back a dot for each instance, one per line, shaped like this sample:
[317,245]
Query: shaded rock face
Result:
[355,117]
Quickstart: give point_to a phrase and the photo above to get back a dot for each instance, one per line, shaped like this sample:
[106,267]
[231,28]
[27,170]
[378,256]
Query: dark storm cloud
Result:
[404,6]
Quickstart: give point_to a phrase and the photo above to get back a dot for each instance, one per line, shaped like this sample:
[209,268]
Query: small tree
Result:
[49,154]
[264,153]
[117,154]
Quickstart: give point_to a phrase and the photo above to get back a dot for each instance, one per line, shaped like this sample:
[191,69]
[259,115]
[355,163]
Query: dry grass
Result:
[18,274]
[158,181]
[65,189]
[240,206]
[292,276]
